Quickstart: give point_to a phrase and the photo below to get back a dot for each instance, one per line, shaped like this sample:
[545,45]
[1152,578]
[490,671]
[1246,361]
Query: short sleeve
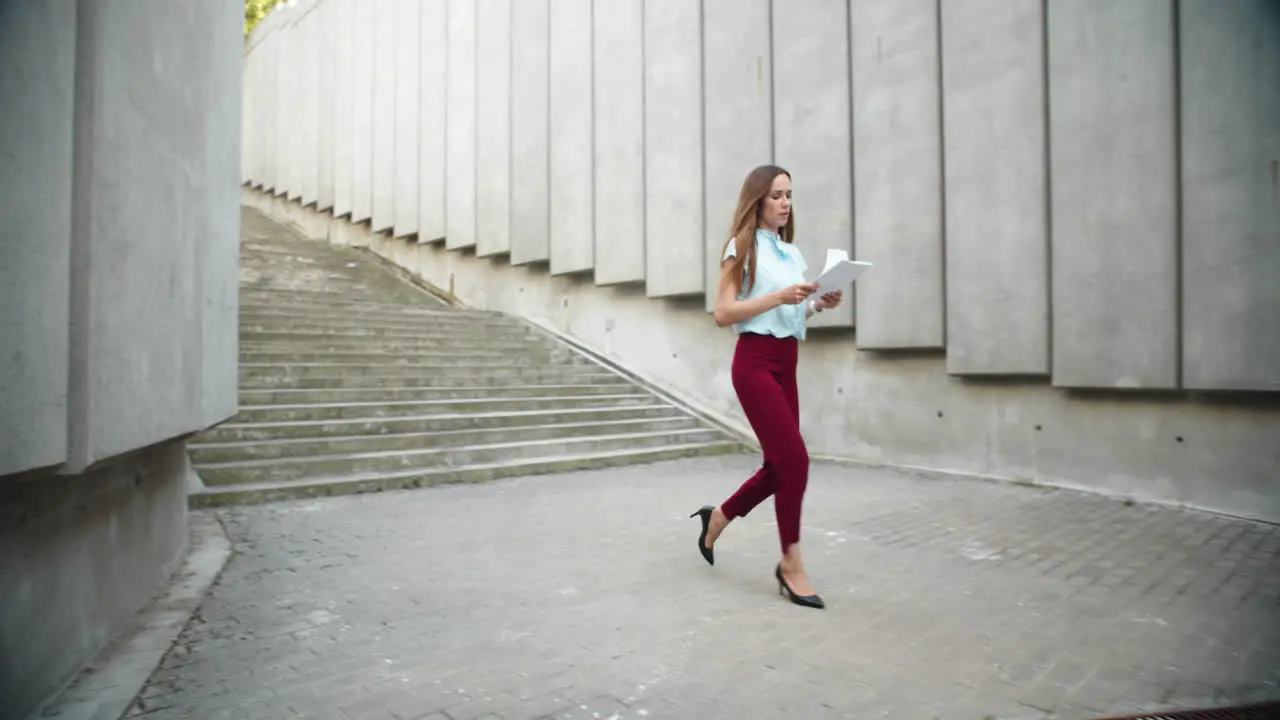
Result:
[730,251]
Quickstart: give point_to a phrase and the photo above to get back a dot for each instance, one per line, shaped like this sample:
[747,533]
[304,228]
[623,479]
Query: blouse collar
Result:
[772,239]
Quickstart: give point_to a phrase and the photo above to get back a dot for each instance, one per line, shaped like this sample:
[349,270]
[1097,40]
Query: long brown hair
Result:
[746,219]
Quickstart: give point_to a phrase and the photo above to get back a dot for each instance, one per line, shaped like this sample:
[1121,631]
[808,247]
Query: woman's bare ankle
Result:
[792,561]
[719,521]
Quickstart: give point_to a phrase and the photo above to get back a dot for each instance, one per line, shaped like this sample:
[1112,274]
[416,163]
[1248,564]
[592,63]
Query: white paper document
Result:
[840,271]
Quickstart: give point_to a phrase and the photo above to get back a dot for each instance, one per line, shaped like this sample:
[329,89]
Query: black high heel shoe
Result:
[707,553]
[811,601]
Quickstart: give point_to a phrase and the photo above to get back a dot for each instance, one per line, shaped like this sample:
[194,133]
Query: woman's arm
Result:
[730,310]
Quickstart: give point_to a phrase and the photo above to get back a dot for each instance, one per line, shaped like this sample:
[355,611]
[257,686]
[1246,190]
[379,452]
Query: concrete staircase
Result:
[355,380]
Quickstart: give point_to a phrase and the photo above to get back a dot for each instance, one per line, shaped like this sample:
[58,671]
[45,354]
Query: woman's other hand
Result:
[830,300]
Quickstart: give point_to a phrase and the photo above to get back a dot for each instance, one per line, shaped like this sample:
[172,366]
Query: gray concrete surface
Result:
[1113,194]
[408,64]
[582,596]
[618,107]
[362,117]
[674,97]
[37,50]
[895,75]
[344,83]
[79,555]
[993,86]
[156,197]
[1230,99]
[460,125]
[493,126]
[737,132]
[385,152]
[326,103]
[107,687]
[118,301]
[530,132]
[433,83]
[572,191]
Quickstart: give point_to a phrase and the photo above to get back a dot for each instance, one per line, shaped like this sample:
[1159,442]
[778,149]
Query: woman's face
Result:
[776,206]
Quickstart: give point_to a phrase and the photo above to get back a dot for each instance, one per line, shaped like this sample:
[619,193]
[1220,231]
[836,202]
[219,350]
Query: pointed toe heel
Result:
[809,601]
[707,553]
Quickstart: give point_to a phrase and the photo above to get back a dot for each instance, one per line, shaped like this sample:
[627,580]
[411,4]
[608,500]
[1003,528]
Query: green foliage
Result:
[254,11]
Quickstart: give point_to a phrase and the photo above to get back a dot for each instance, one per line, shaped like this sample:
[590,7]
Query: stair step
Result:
[234,431]
[271,341]
[469,357]
[468,381]
[350,298]
[357,328]
[416,359]
[461,350]
[333,411]
[389,394]
[304,300]
[311,469]
[204,453]
[341,318]
[379,482]
[337,369]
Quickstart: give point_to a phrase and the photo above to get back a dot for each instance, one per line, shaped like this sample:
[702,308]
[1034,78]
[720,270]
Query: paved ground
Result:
[582,596]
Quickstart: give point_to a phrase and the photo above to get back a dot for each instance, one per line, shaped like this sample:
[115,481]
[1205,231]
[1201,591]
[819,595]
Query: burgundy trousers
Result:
[764,377]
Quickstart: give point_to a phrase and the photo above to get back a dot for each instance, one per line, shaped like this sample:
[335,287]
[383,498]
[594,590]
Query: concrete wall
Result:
[1069,204]
[119,320]
[39,42]
[79,555]
[619,108]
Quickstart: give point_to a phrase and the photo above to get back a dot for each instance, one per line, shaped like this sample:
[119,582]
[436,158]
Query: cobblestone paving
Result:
[583,596]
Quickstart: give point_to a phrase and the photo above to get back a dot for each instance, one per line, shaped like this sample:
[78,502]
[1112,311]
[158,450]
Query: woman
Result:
[764,296]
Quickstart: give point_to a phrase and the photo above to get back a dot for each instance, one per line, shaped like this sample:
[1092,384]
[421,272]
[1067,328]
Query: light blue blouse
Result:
[778,265]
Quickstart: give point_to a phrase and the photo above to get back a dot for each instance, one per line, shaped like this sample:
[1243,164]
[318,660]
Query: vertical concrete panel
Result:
[432,82]
[37,74]
[292,73]
[269,77]
[530,132]
[897,173]
[344,94]
[812,131]
[217,229]
[1230,101]
[619,107]
[246,121]
[280,134]
[1114,193]
[385,38]
[307,128]
[154,237]
[572,159]
[326,49]
[674,249]
[460,127]
[408,58]
[362,117]
[996,187]
[248,113]
[738,81]
[493,127]
[275,169]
